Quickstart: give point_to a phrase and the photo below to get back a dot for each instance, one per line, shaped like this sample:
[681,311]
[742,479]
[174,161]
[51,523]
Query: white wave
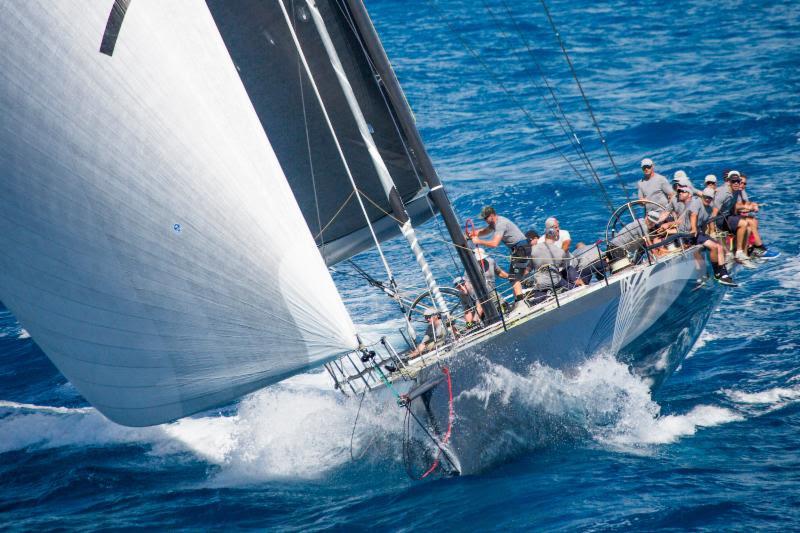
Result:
[705,337]
[23,334]
[766,401]
[277,432]
[604,399]
[788,274]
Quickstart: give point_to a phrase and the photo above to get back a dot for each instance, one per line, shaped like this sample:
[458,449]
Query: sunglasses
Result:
[709,198]
[646,167]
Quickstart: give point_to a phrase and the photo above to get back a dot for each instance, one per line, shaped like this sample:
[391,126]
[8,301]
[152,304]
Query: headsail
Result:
[260,44]
[151,243]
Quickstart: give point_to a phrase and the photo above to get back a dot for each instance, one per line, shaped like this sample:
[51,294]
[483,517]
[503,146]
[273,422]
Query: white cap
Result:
[458,281]
[647,162]
[550,222]
[480,254]
[733,172]
[429,312]
[683,182]
[711,178]
[679,174]
[708,191]
[653,216]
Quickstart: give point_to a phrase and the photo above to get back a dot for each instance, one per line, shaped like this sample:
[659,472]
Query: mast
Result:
[399,212]
[406,119]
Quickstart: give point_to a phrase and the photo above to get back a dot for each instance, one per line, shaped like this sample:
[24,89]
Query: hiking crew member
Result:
[509,234]
[700,212]
[680,179]
[563,238]
[727,207]
[434,334]
[629,239]
[586,261]
[653,186]
[547,261]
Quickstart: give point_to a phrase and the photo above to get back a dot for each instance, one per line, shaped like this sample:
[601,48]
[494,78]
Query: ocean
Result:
[698,86]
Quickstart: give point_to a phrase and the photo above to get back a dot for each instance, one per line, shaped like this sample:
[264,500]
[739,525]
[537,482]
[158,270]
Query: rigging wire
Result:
[586,100]
[302,57]
[561,116]
[308,148]
[493,75]
[378,81]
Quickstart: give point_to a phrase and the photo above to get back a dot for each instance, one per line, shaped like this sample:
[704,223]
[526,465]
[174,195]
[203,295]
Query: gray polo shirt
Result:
[703,215]
[681,213]
[725,200]
[585,256]
[676,207]
[629,236]
[547,253]
[656,189]
[510,233]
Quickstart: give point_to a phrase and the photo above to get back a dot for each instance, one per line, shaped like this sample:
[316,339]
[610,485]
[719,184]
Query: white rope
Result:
[377,161]
[335,138]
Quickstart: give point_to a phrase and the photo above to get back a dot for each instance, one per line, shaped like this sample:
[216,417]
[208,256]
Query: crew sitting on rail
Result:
[507,232]
[629,240]
[680,179]
[587,261]
[653,186]
[564,239]
[733,215]
[434,334]
[699,214]
[547,262]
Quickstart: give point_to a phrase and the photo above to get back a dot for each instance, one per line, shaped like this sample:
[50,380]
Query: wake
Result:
[303,429]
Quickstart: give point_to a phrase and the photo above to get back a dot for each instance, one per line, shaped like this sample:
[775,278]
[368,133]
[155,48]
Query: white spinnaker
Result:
[150,242]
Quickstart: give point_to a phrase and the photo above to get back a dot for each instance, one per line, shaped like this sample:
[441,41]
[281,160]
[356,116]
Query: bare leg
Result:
[741,229]
[753,223]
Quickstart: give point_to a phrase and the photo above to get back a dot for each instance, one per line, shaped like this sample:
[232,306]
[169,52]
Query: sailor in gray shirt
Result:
[508,233]
[653,186]
[547,254]
[434,333]
[630,235]
[586,261]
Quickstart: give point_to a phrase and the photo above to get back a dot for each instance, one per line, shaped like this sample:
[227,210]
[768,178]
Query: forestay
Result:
[260,43]
[151,243]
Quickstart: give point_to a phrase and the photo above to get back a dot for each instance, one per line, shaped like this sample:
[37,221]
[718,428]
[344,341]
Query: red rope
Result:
[451,415]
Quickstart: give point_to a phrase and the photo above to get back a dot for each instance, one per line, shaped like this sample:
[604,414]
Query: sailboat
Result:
[178,177]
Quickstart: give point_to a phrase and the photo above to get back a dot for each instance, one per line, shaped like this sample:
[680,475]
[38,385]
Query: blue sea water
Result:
[700,86]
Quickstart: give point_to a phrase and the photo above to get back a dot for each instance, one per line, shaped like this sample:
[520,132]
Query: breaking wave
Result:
[297,431]
[302,429]
[602,401]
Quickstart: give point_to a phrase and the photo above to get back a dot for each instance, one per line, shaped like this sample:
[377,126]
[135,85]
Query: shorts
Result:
[701,238]
[732,222]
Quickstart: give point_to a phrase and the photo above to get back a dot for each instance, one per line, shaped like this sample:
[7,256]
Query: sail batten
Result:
[152,244]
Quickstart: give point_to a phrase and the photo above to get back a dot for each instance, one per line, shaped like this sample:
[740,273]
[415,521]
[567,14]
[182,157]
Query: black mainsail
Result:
[260,44]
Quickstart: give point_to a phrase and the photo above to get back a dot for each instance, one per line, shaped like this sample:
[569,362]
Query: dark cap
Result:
[486,211]
[531,234]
